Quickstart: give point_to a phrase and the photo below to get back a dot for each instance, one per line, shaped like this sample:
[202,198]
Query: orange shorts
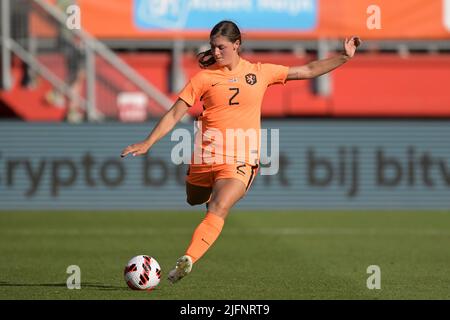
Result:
[204,175]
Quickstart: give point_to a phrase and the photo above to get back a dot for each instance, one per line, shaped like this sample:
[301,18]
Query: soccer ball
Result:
[142,273]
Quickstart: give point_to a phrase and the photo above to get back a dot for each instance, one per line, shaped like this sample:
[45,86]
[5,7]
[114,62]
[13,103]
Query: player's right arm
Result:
[165,124]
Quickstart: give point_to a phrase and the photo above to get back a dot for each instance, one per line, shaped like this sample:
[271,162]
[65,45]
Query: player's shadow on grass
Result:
[93,285]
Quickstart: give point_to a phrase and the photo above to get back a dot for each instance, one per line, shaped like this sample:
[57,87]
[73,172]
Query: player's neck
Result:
[233,64]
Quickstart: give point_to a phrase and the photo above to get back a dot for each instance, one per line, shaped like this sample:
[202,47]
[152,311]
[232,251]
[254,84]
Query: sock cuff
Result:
[214,220]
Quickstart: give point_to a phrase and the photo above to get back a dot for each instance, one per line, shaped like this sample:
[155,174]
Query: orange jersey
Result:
[231,110]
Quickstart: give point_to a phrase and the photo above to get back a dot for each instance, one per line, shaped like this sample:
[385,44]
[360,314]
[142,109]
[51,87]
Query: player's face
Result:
[223,50]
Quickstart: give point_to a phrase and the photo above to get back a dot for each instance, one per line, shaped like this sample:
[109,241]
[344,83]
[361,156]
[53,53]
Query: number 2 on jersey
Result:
[230,101]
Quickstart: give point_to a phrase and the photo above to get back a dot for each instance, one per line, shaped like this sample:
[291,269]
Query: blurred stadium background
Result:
[370,138]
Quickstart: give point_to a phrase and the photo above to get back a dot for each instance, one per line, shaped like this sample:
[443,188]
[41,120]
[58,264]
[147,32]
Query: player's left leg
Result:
[226,192]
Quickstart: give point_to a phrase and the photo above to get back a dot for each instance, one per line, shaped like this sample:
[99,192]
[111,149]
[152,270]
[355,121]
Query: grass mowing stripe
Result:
[123,232]
[285,255]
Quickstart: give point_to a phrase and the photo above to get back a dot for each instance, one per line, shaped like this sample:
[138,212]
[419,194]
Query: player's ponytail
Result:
[226,29]
[206,59]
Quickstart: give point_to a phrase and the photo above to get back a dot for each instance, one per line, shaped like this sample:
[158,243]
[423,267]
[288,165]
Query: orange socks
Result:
[204,236]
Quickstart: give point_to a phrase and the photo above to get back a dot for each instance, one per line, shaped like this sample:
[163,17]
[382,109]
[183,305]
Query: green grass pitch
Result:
[259,255]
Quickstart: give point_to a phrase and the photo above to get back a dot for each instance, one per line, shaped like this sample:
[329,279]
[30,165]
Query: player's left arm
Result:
[320,67]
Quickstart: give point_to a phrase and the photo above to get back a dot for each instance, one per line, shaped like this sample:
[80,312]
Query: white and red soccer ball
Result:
[142,273]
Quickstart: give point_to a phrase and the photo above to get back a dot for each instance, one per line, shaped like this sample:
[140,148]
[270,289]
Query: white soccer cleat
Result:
[182,268]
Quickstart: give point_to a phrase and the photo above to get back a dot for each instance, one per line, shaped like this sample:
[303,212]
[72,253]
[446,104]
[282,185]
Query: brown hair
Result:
[226,29]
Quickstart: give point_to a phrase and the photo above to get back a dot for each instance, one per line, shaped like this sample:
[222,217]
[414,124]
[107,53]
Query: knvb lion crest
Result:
[250,78]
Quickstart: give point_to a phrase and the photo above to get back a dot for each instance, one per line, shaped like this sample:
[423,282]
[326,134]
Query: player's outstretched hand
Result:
[350,45]
[136,149]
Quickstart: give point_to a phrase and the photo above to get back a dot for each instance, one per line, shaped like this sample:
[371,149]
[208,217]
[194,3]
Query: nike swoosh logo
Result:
[215,84]
[205,242]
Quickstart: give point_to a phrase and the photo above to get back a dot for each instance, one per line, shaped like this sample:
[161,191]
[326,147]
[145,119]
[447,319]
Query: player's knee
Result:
[218,207]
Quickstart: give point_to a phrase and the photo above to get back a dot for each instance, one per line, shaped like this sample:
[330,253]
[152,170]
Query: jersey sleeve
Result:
[192,91]
[274,73]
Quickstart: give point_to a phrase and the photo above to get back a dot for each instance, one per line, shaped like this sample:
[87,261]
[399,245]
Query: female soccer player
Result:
[231,90]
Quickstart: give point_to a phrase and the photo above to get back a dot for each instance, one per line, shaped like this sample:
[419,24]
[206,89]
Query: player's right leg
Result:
[197,194]
[199,180]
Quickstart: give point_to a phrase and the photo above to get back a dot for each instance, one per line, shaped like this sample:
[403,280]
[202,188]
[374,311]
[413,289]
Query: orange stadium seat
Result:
[371,85]
[388,85]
